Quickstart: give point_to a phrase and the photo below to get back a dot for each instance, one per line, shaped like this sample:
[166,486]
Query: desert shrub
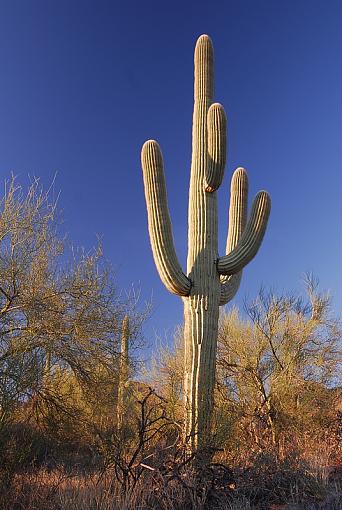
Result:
[278,371]
[60,327]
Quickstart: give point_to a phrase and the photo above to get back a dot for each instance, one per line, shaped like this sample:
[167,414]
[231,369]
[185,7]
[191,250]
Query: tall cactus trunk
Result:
[123,373]
[201,308]
[211,280]
[200,337]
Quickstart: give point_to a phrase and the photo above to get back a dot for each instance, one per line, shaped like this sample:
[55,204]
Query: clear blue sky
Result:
[84,83]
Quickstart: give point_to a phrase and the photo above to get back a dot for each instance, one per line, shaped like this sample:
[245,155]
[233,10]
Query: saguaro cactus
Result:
[123,372]
[211,280]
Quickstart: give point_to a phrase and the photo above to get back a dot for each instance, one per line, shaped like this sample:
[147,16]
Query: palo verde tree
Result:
[211,280]
[278,371]
[60,314]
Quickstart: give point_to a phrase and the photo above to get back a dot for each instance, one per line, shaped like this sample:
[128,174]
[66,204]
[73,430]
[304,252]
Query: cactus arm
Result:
[159,223]
[250,241]
[229,287]
[237,208]
[237,224]
[217,140]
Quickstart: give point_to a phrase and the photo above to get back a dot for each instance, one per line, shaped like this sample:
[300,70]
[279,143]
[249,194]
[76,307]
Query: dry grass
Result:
[265,483]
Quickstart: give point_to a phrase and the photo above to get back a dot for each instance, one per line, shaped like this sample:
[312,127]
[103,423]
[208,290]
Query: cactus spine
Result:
[211,280]
[123,372]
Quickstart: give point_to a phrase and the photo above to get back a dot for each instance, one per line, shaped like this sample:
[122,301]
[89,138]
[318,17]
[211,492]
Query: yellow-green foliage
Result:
[277,367]
[60,323]
[275,371]
[167,375]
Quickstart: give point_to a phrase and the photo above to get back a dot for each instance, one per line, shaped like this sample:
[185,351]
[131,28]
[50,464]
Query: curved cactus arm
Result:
[159,223]
[250,241]
[217,141]
[229,287]
[237,208]
[237,224]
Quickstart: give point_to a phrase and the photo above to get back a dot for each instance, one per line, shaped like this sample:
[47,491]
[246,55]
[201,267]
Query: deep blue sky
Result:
[84,83]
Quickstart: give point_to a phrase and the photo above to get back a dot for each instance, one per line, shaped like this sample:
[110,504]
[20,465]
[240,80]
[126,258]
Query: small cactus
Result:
[211,280]
[123,373]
